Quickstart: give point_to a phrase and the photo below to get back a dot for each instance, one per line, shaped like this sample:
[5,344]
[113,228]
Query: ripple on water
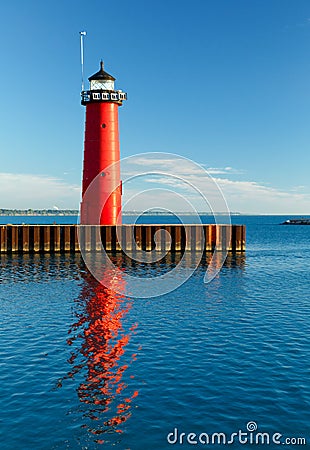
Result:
[203,358]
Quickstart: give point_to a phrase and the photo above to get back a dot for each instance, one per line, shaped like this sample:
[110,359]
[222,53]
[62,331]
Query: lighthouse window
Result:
[103,125]
[113,96]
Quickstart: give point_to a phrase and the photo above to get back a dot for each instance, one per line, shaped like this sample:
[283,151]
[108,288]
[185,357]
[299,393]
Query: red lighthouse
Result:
[101,152]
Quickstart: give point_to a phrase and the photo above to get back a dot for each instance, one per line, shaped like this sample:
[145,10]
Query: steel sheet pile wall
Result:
[64,238]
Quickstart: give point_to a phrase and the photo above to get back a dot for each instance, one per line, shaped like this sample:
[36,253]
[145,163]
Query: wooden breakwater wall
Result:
[71,238]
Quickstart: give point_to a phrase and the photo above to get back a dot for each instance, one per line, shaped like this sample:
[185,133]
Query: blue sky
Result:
[224,83]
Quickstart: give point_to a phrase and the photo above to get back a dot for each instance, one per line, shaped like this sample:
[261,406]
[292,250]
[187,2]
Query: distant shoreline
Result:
[38,212]
[75,212]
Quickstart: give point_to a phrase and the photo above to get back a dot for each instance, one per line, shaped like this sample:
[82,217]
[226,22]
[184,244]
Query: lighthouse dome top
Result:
[102,89]
[101,80]
[101,74]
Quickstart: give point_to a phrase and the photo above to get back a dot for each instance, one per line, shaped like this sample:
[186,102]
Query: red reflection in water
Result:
[103,340]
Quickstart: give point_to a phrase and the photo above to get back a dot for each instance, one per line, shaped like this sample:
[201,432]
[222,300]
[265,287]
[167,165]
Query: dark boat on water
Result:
[296,222]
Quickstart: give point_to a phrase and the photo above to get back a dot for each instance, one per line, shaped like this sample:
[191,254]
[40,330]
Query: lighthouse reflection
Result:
[99,339]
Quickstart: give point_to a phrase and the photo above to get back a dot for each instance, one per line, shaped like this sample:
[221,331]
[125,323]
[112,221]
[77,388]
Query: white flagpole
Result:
[82,33]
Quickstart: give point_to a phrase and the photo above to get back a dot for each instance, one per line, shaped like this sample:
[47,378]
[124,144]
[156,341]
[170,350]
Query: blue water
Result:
[83,368]
[148,219]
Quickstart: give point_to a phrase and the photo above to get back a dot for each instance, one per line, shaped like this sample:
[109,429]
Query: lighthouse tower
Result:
[101,152]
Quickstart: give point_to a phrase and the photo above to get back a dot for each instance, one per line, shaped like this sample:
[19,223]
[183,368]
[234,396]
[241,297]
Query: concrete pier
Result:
[130,238]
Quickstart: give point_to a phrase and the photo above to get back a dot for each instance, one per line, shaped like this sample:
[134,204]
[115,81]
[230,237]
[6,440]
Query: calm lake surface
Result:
[84,368]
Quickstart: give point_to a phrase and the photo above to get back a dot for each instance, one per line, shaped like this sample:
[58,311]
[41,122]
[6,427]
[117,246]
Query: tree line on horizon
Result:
[41,212]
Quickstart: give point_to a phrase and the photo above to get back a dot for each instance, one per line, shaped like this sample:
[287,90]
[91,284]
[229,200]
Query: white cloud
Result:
[23,191]
[222,170]
[252,197]
[39,191]
[243,196]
